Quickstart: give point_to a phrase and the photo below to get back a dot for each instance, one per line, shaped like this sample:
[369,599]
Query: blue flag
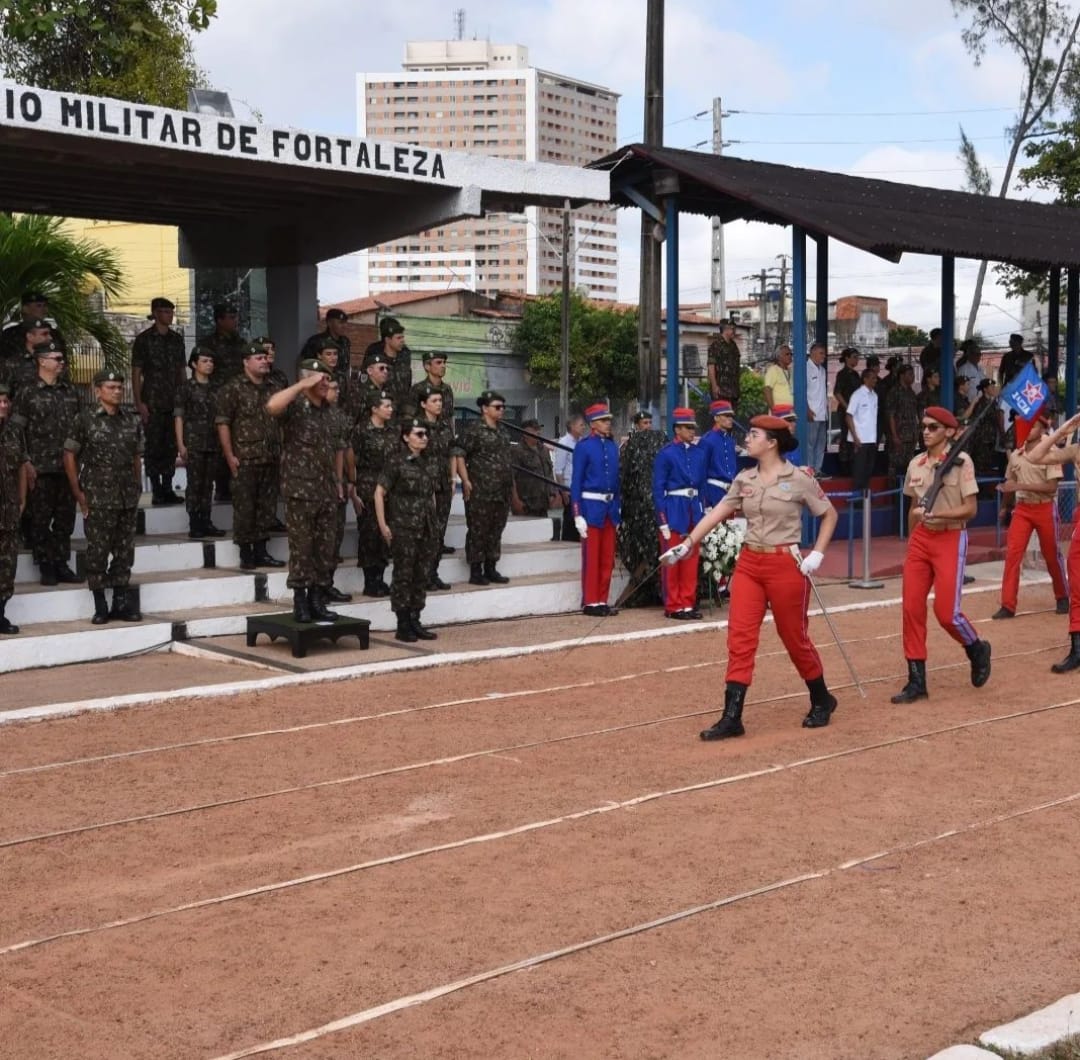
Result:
[1025,393]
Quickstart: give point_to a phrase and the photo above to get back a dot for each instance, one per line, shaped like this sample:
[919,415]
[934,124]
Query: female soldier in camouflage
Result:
[13,485]
[372,442]
[441,454]
[197,443]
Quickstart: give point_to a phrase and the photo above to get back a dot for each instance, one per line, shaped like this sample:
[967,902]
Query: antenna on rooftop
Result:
[459,23]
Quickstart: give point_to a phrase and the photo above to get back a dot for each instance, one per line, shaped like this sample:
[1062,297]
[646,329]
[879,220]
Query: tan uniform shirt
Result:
[774,512]
[959,483]
[1024,473]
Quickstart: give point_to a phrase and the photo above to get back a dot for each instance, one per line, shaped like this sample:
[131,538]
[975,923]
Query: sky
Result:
[871,87]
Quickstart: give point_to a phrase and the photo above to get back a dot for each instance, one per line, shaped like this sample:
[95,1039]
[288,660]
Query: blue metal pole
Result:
[948,330]
[821,323]
[672,225]
[1072,339]
[798,332]
[1053,323]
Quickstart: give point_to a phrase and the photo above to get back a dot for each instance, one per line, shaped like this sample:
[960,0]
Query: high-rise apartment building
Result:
[486,99]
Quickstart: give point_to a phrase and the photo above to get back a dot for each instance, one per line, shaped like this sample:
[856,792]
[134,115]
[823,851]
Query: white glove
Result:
[582,526]
[810,562]
[665,533]
[676,553]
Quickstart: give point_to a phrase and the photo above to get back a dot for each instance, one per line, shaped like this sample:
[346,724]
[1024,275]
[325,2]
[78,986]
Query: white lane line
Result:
[368,1015]
[450,760]
[532,826]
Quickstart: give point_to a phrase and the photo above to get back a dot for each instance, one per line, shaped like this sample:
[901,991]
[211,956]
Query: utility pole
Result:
[761,315]
[564,360]
[649,295]
[781,337]
[719,298]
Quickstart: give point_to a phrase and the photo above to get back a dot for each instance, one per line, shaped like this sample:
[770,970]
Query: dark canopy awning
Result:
[880,216]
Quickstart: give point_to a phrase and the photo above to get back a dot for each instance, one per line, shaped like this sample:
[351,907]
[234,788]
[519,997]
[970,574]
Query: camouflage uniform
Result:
[442,445]
[19,372]
[373,446]
[487,459]
[447,391]
[342,429]
[399,382]
[903,405]
[195,406]
[161,359]
[315,345]
[409,482]
[726,357]
[229,351]
[358,397]
[45,414]
[106,446]
[256,443]
[12,457]
[13,340]
[308,480]
[534,494]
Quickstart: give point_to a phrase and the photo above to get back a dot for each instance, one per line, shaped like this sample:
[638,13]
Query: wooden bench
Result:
[301,635]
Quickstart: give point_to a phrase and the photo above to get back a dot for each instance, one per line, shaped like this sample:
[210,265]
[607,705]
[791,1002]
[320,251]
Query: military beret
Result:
[375,358]
[414,425]
[942,416]
[224,309]
[390,326]
[33,296]
[43,349]
[329,344]
[488,396]
[426,390]
[314,365]
[197,352]
[107,376]
[534,423]
[374,398]
[770,423]
[433,355]
[336,314]
[254,349]
[263,340]
[37,324]
[5,389]
[643,414]
[160,303]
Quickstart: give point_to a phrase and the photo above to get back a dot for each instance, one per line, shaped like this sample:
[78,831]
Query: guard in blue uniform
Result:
[679,475]
[721,459]
[594,494]
[787,414]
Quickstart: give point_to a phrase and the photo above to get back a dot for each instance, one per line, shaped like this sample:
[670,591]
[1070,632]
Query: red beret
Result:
[943,416]
[770,423]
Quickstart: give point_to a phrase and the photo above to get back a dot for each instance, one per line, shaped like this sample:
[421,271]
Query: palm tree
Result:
[37,255]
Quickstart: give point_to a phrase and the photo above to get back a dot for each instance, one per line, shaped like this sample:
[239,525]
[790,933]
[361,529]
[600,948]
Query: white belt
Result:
[719,482]
[607,498]
[688,492]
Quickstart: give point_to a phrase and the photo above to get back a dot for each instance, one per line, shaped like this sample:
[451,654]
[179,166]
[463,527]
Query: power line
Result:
[866,113]
[858,143]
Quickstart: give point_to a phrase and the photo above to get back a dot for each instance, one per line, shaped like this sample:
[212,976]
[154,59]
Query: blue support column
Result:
[1072,339]
[798,332]
[1053,323]
[948,331]
[821,323]
[672,224]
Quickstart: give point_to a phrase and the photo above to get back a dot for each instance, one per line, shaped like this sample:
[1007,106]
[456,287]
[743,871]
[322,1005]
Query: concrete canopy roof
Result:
[883,217]
[244,194]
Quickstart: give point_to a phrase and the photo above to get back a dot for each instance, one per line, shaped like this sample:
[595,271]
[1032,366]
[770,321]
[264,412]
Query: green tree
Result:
[36,254]
[906,335]
[137,50]
[603,347]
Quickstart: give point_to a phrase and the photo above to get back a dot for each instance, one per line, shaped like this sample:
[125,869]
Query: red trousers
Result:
[773,579]
[597,561]
[1041,519]
[1074,577]
[678,582]
[935,559]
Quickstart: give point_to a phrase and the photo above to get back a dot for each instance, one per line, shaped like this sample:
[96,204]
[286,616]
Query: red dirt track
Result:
[967,919]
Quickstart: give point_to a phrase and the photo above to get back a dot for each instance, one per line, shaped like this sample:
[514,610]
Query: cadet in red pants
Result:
[937,548]
[771,496]
[678,484]
[1034,487]
[1049,450]
[594,495]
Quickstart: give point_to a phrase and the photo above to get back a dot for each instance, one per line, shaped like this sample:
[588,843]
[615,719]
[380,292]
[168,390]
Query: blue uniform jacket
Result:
[721,463]
[679,467]
[596,470]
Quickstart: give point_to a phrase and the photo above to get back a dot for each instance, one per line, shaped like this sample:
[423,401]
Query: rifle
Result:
[543,478]
[952,458]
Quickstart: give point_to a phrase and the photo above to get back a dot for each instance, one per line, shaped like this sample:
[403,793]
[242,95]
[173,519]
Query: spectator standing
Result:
[562,462]
[862,428]
[817,407]
[778,389]
[725,365]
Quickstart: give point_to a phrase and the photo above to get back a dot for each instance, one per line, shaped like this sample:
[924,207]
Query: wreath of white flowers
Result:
[720,548]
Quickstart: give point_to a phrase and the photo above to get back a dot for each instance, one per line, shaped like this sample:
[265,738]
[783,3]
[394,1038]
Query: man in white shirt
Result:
[862,427]
[562,463]
[817,406]
[969,368]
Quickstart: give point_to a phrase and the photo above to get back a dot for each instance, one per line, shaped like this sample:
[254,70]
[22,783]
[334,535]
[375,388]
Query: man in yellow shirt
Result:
[778,380]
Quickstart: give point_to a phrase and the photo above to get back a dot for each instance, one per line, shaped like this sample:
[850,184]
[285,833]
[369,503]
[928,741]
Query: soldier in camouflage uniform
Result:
[487,484]
[372,441]
[330,355]
[725,365]
[902,419]
[342,432]
[13,489]
[335,334]
[534,497]
[103,462]
[229,349]
[311,479]
[157,373]
[442,454]
[14,340]
[197,442]
[250,442]
[20,367]
[435,380]
[399,357]
[376,372]
[405,510]
[45,411]
[276,375]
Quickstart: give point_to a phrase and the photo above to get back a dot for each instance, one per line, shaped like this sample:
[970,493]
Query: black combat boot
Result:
[979,654]
[263,558]
[319,610]
[421,632]
[48,573]
[301,609]
[5,625]
[822,704]
[381,586]
[101,608]
[916,683]
[1072,660]
[730,722]
[196,526]
[371,581]
[435,583]
[123,606]
[476,574]
[336,596]
[493,575]
[404,628]
[66,576]
[209,530]
[155,490]
[167,494]
[247,557]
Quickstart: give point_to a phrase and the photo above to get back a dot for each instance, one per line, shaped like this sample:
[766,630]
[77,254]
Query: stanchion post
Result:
[866,582]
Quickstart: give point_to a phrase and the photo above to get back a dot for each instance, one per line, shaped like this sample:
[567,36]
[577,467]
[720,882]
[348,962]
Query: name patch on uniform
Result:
[785,486]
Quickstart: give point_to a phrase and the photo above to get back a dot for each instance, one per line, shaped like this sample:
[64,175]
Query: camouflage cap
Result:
[107,376]
[390,326]
[37,324]
[44,349]
[374,398]
[375,358]
[313,365]
[433,355]
[488,396]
